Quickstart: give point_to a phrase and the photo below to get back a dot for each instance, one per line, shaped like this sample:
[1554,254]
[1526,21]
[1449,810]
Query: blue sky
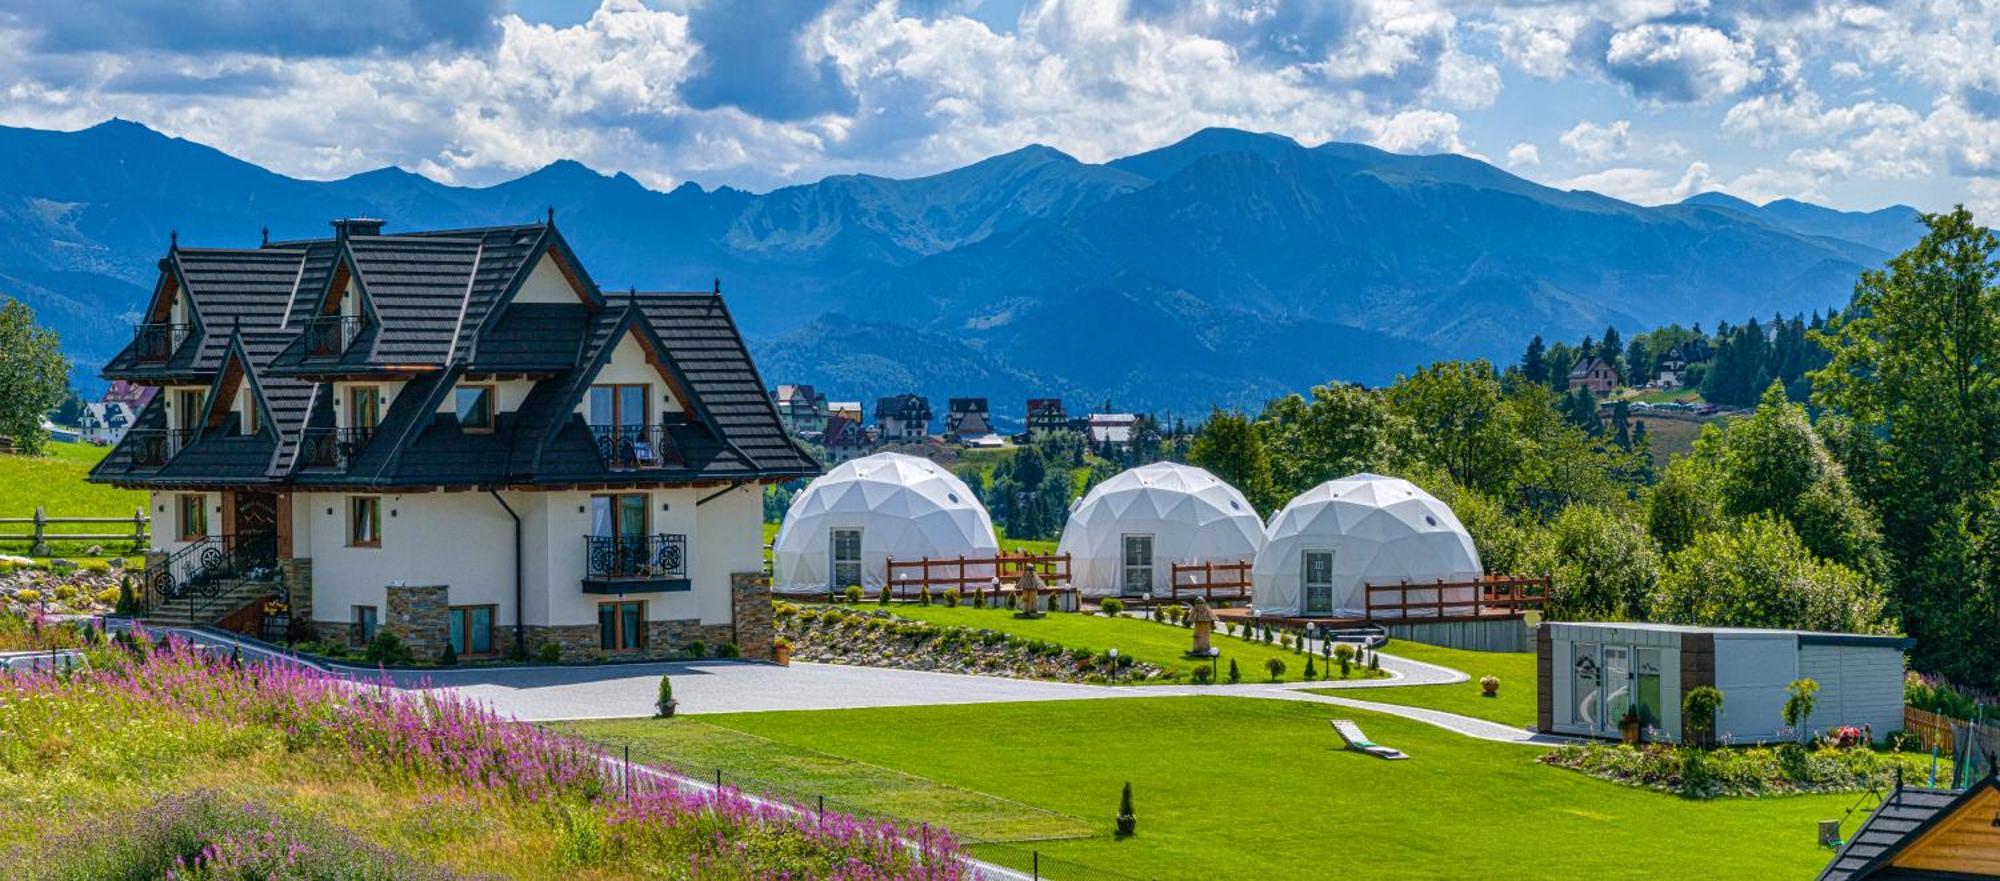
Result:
[1853,104]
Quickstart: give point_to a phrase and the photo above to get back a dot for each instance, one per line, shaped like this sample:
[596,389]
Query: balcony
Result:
[635,447]
[333,448]
[620,564]
[329,336]
[156,342]
[154,447]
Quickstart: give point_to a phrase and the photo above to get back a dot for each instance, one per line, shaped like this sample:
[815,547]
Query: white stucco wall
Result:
[465,541]
[165,509]
[628,366]
[344,419]
[459,539]
[545,284]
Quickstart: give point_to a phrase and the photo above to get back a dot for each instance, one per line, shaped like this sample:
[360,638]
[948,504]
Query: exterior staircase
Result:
[211,579]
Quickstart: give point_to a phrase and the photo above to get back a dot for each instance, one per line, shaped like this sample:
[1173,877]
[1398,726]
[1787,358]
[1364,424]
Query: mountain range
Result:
[1222,269]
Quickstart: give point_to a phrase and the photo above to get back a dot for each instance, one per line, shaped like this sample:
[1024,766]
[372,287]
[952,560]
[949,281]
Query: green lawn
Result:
[1515,704]
[55,482]
[1142,639]
[1257,789]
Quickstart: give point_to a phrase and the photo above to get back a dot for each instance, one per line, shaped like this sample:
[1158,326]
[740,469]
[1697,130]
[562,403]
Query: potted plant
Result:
[666,704]
[1127,823]
[781,651]
[1489,686]
[1631,725]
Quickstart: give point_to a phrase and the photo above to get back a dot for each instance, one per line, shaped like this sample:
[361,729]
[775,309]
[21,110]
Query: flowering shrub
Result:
[1749,771]
[173,707]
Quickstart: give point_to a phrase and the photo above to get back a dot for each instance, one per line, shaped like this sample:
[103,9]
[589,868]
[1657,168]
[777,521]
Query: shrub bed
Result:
[1734,772]
[838,635]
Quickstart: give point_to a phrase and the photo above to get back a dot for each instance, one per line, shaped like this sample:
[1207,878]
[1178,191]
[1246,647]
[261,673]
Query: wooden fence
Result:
[1484,597]
[970,574]
[1211,580]
[39,536]
[1942,732]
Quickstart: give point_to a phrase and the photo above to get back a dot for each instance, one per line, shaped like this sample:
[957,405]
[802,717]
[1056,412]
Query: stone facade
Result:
[336,632]
[750,607]
[297,573]
[419,616]
[664,639]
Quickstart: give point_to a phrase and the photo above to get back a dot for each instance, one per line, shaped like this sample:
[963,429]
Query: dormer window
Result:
[475,408]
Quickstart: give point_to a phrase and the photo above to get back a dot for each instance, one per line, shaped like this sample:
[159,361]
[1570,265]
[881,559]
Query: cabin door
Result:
[254,523]
[1316,593]
[1138,580]
[844,549]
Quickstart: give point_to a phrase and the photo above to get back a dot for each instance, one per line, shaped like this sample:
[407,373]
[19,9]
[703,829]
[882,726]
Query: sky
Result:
[1857,105]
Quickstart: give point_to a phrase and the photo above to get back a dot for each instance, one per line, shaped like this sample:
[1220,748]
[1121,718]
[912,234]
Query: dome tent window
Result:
[1317,575]
[1184,514]
[846,565]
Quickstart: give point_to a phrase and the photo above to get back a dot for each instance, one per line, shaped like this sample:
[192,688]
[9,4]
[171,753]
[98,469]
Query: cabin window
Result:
[475,408]
[364,521]
[471,630]
[846,557]
[187,409]
[621,627]
[622,407]
[193,509]
[366,621]
[249,412]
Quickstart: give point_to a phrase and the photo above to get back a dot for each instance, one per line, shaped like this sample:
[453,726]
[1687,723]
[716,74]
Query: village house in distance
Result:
[455,436]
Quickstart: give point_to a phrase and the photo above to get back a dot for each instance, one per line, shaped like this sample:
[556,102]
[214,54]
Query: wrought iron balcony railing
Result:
[625,447]
[329,336]
[158,341]
[333,447]
[154,447]
[653,557]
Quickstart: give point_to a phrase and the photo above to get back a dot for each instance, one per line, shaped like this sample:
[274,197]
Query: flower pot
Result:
[782,654]
[1631,731]
[1492,690]
[1127,824]
[667,708]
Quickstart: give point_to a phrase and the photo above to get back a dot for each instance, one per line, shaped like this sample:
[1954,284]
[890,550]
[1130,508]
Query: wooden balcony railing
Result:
[1485,597]
[1211,580]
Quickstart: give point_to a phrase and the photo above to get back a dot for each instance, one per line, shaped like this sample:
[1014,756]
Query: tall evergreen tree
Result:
[1533,366]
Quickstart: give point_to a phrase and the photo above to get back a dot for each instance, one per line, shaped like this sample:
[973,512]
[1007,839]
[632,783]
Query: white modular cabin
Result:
[1590,673]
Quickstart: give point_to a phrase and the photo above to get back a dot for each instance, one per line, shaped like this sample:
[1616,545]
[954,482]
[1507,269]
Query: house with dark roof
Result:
[802,408]
[1944,835]
[455,436]
[1593,373]
[845,439]
[902,418]
[1046,414]
[967,418]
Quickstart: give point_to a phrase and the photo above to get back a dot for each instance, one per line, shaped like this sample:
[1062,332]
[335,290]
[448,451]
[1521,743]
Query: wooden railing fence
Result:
[1482,597]
[1211,580]
[1942,732]
[39,536]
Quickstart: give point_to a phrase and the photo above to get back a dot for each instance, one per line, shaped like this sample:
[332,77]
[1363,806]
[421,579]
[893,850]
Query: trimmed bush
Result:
[697,649]
[549,652]
[1112,607]
[1275,667]
[728,650]
[1699,707]
[951,598]
[1235,675]
[388,649]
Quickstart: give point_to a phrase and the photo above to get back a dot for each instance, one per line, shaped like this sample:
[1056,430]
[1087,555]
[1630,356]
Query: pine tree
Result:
[1533,366]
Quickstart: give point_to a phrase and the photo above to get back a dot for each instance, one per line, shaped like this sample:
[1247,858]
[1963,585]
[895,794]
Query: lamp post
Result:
[1114,666]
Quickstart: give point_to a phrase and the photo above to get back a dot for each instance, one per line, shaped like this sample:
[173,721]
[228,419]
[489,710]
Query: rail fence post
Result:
[1035,865]
[39,546]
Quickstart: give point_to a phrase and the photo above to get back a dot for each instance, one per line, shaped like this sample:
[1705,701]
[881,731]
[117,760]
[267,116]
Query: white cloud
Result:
[1672,62]
[1419,131]
[1644,186]
[1595,143]
[1524,154]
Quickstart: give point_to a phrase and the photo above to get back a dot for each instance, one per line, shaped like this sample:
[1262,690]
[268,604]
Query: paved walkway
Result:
[611,691]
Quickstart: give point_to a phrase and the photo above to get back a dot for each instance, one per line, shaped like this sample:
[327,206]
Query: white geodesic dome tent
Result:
[1335,538]
[872,509]
[1161,514]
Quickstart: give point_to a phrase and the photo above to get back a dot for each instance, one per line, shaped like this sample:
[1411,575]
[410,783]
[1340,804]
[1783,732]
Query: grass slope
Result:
[1247,788]
[56,482]
[1514,705]
[1142,639]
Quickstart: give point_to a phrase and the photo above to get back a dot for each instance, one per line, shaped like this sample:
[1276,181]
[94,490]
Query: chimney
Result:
[357,226]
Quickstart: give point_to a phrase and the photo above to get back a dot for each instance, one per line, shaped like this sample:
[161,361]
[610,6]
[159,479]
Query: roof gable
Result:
[1926,833]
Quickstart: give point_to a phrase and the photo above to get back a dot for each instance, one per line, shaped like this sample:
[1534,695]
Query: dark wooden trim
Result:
[1545,679]
[1697,669]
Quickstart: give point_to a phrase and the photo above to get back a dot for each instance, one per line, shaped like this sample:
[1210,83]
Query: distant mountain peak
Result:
[1168,161]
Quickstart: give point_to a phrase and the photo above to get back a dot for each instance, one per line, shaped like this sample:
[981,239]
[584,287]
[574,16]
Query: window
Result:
[622,407]
[249,412]
[621,627]
[471,630]
[1317,575]
[193,509]
[364,521]
[475,407]
[846,557]
[364,407]
[1138,564]
[365,623]
[1585,691]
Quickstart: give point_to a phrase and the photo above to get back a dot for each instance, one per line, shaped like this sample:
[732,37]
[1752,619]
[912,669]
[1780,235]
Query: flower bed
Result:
[1732,772]
[838,635]
[158,712]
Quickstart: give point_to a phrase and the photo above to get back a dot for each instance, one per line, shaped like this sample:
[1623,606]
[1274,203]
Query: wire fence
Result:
[1020,856]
